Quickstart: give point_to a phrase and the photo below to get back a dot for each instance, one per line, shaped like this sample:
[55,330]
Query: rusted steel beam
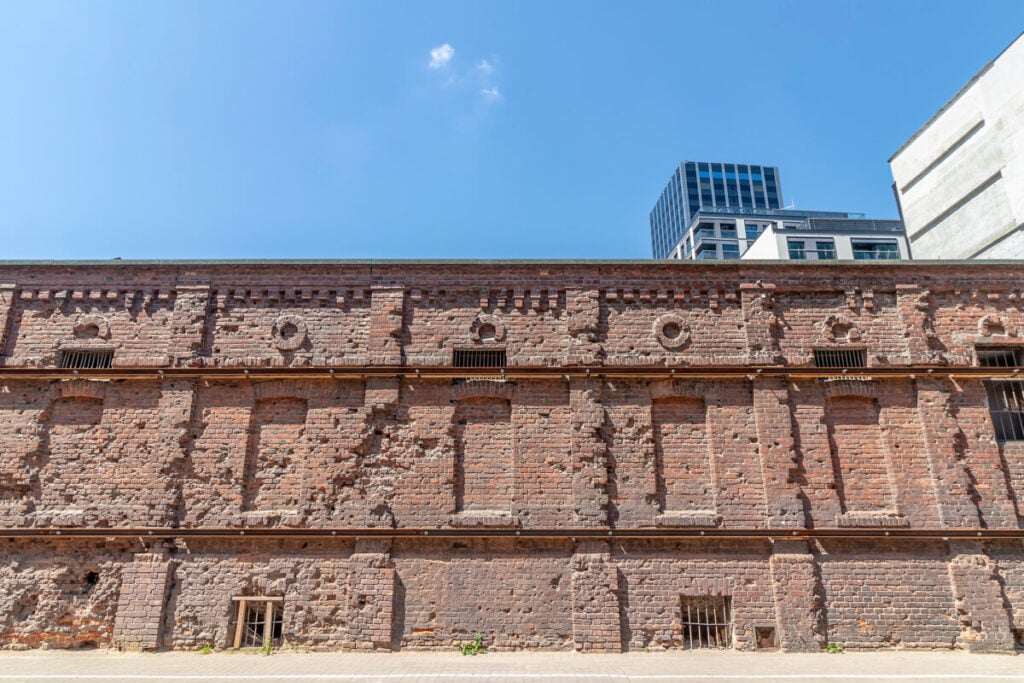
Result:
[446,372]
[566,533]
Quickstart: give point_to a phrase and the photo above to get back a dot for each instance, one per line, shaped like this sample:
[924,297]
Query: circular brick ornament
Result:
[993,324]
[487,328]
[92,326]
[839,328]
[672,331]
[289,332]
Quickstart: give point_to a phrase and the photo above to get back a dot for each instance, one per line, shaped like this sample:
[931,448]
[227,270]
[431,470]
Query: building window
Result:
[887,250]
[703,230]
[258,622]
[706,251]
[1005,396]
[730,250]
[826,249]
[706,622]
[999,357]
[753,230]
[86,360]
[728,230]
[823,249]
[796,249]
[1006,404]
[479,358]
[840,358]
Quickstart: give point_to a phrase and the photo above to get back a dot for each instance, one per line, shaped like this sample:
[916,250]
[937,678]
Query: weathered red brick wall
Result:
[650,465]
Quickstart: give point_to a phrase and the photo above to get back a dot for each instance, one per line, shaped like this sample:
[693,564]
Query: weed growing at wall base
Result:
[474,647]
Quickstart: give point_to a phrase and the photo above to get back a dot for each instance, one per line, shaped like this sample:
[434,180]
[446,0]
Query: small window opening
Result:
[86,360]
[765,638]
[998,357]
[259,622]
[92,578]
[1005,397]
[1006,405]
[706,622]
[840,358]
[479,358]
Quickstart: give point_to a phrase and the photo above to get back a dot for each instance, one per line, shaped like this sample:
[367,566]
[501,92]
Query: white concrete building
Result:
[820,239]
[731,233]
[959,180]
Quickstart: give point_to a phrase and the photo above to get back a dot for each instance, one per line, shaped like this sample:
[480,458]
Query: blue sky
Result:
[543,129]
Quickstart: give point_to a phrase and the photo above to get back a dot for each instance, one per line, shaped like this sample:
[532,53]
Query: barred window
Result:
[706,622]
[998,357]
[86,360]
[840,358]
[1006,404]
[1005,396]
[479,358]
[258,622]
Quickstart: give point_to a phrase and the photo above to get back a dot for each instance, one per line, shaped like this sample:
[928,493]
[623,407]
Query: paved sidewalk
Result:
[518,667]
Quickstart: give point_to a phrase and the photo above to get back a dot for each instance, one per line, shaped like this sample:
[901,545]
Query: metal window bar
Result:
[252,630]
[706,622]
[479,358]
[1006,405]
[86,360]
[998,357]
[254,615]
[840,358]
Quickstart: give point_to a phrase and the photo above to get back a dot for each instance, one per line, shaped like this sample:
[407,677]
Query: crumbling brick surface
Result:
[140,607]
[417,511]
[885,595]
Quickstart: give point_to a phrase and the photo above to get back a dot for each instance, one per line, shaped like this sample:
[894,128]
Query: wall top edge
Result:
[587,263]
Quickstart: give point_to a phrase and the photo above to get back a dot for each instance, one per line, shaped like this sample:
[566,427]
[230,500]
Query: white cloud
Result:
[440,56]
[491,94]
[484,67]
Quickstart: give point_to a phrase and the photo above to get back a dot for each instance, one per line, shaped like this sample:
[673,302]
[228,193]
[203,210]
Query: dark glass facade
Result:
[696,185]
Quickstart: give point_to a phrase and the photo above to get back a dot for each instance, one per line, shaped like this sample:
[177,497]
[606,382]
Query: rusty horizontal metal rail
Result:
[549,533]
[524,372]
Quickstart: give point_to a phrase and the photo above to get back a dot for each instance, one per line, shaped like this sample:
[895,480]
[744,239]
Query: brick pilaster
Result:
[188,325]
[761,323]
[371,592]
[917,314]
[140,607]
[386,322]
[584,309]
[796,585]
[980,603]
[589,452]
[777,450]
[177,401]
[596,623]
[8,294]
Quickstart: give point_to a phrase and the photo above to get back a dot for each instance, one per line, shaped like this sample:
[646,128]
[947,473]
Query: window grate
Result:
[706,622]
[254,615]
[840,358]
[479,358]
[86,360]
[1005,397]
[1006,405]
[998,357]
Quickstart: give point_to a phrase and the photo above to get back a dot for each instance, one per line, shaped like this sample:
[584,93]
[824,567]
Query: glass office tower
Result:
[700,185]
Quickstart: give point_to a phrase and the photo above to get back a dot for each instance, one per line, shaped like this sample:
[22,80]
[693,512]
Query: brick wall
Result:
[659,435]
